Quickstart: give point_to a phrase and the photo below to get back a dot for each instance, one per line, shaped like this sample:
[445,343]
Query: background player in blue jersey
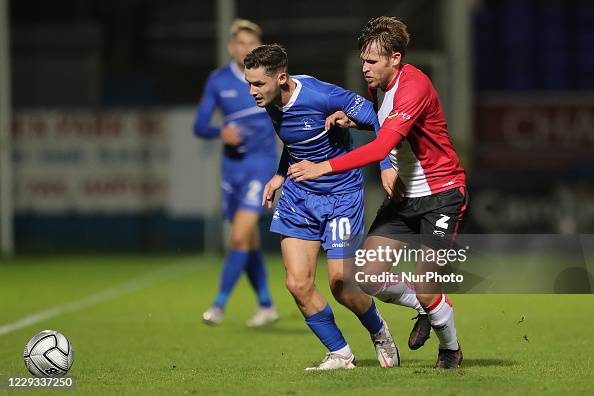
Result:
[327,212]
[249,160]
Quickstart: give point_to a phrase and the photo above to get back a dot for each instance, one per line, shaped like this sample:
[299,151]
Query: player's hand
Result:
[391,183]
[306,170]
[270,189]
[230,135]
[339,118]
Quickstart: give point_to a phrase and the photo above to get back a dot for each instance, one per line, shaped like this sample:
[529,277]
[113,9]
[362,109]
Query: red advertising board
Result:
[533,132]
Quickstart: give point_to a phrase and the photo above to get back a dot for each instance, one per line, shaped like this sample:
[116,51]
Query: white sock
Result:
[345,351]
[400,294]
[441,317]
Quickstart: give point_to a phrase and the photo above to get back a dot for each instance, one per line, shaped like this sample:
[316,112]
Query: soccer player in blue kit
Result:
[327,212]
[249,160]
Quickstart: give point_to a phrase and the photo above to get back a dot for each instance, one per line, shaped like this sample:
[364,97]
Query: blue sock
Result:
[324,326]
[256,271]
[234,266]
[371,319]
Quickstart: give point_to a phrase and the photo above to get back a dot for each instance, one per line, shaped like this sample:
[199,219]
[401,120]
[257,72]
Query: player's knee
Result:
[337,289]
[299,287]
[369,288]
[239,241]
[336,283]
[346,299]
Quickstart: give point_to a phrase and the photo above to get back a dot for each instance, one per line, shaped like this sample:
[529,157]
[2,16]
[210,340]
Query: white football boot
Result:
[213,316]
[263,316]
[334,361]
[386,350]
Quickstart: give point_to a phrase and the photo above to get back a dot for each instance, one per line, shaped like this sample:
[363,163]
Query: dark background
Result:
[529,156]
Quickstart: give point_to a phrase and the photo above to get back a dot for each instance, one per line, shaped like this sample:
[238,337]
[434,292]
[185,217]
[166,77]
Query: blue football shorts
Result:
[337,220]
[243,182]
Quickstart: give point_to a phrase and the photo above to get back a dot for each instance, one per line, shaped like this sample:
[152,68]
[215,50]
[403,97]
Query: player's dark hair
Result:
[272,57]
[389,33]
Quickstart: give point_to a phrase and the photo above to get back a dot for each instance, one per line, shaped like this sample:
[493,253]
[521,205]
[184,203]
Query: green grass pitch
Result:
[143,335]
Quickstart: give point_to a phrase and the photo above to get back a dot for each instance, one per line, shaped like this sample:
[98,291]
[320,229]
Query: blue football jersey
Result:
[300,125]
[227,89]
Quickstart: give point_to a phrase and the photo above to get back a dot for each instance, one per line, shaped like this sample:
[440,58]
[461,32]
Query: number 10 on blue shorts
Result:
[337,220]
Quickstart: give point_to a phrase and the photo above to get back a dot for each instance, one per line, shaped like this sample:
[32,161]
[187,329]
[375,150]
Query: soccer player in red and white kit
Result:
[427,185]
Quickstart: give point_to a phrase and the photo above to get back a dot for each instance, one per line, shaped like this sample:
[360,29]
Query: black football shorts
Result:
[433,220]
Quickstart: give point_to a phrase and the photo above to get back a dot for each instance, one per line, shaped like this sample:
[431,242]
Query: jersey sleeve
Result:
[409,104]
[206,108]
[356,108]
[367,154]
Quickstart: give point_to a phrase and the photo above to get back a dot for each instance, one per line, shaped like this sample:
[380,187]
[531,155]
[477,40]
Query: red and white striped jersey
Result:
[425,159]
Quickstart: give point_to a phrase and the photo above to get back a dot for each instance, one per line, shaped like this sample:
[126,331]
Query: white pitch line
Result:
[140,282]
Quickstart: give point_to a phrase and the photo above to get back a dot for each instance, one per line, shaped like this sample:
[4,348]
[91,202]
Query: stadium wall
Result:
[113,180]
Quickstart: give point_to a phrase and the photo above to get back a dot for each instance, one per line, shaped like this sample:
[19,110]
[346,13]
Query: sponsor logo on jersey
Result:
[356,107]
[307,124]
[401,114]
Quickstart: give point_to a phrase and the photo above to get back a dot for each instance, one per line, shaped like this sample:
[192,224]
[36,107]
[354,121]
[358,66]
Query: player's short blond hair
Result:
[389,33]
[239,25]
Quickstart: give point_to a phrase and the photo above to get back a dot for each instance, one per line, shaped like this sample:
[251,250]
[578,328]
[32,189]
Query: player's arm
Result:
[277,180]
[340,119]
[283,164]
[358,110]
[355,107]
[374,151]
[407,109]
[204,112]
[230,134]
